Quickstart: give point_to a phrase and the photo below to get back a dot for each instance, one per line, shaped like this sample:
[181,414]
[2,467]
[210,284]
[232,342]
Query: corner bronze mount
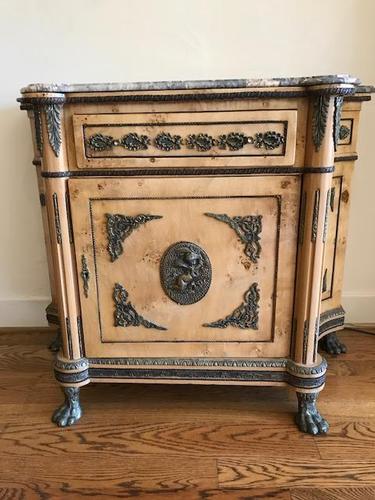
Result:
[319,119]
[247,228]
[52,109]
[125,314]
[119,227]
[245,316]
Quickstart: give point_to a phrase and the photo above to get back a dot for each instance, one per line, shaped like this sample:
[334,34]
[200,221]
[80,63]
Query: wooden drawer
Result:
[186,267]
[185,139]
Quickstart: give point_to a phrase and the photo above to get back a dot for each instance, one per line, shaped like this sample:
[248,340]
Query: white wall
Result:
[124,40]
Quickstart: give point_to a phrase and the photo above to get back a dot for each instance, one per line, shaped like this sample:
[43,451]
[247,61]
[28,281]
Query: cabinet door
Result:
[186,266]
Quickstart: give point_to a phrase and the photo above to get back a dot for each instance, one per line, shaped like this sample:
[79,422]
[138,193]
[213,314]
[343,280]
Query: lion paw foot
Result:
[332,344]
[70,412]
[308,418]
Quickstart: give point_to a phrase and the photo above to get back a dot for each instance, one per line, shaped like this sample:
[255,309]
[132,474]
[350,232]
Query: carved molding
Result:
[56,218]
[234,141]
[302,218]
[38,131]
[332,198]
[319,119]
[71,365]
[85,275]
[53,114]
[119,227]
[125,314]
[245,316]
[324,284]
[200,142]
[283,370]
[165,141]
[315,216]
[281,363]
[268,140]
[330,320]
[297,369]
[339,101]
[30,102]
[123,172]
[185,273]
[247,228]
[326,215]
[344,132]
[305,340]
[195,362]
[100,142]
[208,374]
[134,142]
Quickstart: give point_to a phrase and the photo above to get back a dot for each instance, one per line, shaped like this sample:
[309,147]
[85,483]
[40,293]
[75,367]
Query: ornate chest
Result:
[186,224]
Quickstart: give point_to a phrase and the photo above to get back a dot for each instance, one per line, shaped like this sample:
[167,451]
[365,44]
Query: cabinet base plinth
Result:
[308,381]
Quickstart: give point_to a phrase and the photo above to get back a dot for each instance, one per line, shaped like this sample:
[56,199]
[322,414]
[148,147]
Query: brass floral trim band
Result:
[234,141]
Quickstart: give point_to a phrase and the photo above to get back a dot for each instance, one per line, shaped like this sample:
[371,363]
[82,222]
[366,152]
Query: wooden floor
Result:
[167,442]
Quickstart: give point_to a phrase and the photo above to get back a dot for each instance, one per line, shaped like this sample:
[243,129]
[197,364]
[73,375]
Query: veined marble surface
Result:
[302,81]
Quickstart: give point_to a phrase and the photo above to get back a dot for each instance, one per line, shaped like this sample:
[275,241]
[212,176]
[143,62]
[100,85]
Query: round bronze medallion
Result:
[185,272]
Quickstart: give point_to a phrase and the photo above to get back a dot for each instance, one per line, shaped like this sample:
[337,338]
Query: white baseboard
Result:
[24,312]
[359,307]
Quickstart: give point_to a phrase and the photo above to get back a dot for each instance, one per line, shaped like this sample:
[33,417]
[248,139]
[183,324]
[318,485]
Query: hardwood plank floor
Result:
[167,442]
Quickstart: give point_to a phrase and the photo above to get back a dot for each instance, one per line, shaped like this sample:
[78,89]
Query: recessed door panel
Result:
[179,266]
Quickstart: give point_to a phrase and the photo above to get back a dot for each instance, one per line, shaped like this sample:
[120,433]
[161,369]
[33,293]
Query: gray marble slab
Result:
[302,81]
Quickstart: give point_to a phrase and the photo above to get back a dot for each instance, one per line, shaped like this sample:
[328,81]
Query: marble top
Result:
[301,81]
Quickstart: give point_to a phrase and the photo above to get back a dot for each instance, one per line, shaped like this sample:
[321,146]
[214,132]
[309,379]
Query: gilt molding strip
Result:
[38,130]
[57,218]
[338,103]
[305,340]
[302,218]
[326,215]
[315,216]
[234,141]
[121,172]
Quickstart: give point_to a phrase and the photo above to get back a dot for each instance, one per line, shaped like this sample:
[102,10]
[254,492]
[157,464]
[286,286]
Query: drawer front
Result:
[183,139]
[186,267]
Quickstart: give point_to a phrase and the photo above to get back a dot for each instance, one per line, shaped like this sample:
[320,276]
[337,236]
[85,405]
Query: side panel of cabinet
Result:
[334,261]
[228,245]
